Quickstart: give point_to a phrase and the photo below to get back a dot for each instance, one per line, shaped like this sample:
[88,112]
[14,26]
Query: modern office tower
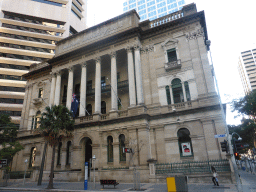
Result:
[29,30]
[152,9]
[247,70]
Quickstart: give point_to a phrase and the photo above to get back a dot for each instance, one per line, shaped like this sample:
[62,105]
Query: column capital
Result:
[113,54]
[53,74]
[84,65]
[97,59]
[129,49]
[137,47]
[58,72]
[71,68]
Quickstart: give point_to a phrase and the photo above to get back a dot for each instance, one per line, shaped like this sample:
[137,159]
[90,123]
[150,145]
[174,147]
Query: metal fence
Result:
[221,165]
[19,174]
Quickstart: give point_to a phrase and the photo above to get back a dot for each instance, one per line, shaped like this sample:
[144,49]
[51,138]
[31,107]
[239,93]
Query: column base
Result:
[96,116]
[137,110]
[113,114]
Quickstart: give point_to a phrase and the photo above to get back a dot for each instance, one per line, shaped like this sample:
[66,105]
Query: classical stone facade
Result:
[146,86]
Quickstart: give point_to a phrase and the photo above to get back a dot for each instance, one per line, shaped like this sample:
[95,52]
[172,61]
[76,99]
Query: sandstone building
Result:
[146,86]
[29,30]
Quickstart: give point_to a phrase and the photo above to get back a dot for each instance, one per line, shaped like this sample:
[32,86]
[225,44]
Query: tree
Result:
[56,124]
[8,136]
[246,106]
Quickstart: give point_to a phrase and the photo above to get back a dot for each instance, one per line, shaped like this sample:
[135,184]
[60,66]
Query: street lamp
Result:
[26,161]
[93,160]
[239,138]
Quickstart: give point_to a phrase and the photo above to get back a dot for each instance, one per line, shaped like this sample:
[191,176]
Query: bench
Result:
[108,182]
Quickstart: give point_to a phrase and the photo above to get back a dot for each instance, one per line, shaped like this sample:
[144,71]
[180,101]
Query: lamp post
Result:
[26,161]
[239,138]
[239,185]
[93,160]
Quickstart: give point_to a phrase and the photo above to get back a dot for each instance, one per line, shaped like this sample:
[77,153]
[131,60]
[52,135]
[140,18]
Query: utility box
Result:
[177,183]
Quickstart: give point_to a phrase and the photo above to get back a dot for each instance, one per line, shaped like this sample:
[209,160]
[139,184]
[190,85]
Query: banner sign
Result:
[186,149]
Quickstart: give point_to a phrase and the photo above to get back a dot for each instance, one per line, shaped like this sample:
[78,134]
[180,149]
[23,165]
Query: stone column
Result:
[83,91]
[172,100]
[57,89]
[113,82]
[70,87]
[132,92]
[184,91]
[53,85]
[139,85]
[98,86]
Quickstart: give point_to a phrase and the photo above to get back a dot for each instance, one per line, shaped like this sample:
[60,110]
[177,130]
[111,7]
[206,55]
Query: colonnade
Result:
[134,80]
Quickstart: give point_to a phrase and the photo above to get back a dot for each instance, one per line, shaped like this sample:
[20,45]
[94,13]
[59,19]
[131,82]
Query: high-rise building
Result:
[29,30]
[247,69]
[152,9]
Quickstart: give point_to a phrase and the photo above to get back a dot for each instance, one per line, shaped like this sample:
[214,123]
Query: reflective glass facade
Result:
[152,9]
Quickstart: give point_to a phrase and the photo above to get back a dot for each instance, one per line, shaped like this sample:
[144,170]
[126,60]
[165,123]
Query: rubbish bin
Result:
[177,183]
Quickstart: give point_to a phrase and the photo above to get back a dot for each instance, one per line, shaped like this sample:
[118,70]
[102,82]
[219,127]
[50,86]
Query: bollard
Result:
[86,176]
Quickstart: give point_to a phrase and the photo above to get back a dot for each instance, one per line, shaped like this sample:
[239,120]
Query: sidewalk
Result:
[78,186]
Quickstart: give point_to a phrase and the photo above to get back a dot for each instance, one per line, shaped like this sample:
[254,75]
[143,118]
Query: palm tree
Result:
[56,124]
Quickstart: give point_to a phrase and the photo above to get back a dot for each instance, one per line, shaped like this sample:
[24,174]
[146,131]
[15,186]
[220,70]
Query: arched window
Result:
[168,96]
[59,154]
[32,157]
[187,91]
[110,148]
[89,109]
[68,155]
[103,107]
[122,155]
[185,144]
[177,91]
[119,104]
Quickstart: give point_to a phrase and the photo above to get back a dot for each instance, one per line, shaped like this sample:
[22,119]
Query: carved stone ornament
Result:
[58,72]
[97,59]
[84,65]
[113,54]
[53,75]
[195,35]
[137,47]
[71,68]
[148,48]
[129,49]
[170,41]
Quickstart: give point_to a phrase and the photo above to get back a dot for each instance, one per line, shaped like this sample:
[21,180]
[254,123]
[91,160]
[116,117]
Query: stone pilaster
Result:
[70,87]
[57,90]
[116,154]
[53,85]
[82,109]
[138,72]
[132,95]
[184,92]
[98,86]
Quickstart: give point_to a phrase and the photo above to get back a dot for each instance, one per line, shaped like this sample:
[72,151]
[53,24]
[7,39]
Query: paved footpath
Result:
[248,181]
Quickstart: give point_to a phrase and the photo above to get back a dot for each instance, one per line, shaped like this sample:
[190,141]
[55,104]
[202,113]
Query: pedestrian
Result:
[214,178]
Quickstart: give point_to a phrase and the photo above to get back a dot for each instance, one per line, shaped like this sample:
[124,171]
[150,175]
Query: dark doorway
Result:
[88,152]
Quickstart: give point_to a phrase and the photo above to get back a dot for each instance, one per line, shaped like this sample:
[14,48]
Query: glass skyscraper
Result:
[152,9]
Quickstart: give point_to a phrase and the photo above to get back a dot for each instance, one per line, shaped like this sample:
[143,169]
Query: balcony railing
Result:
[172,65]
[166,19]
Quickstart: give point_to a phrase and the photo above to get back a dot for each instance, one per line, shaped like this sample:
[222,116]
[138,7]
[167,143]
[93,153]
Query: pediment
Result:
[169,41]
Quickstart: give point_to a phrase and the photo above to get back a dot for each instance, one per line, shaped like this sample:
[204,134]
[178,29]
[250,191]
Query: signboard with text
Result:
[186,149]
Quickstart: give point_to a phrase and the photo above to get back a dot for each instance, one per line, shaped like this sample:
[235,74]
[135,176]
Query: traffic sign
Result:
[220,136]
[3,162]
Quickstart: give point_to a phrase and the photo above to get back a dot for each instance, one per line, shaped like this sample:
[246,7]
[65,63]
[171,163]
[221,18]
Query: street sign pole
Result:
[86,176]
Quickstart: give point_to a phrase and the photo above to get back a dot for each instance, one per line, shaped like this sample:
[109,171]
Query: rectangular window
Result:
[76,8]
[161,5]
[125,3]
[132,6]
[76,14]
[162,10]
[182,2]
[141,2]
[151,3]
[172,56]
[163,14]
[40,93]
[159,1]
[174,5]
[142,12]
[152,8]
[142,7]
[152,14]
[143,17]
[125,9]
[131,1]
[152,18]
[170,1]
